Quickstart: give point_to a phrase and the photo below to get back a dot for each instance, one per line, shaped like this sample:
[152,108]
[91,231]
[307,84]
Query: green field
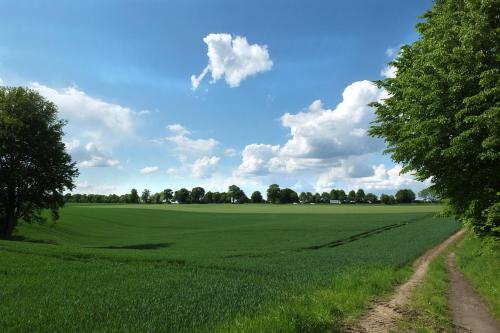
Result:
[202,268]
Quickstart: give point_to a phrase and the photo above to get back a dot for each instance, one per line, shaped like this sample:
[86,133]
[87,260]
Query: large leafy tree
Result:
[168,195]
[197,194]
[256,197]
[273,193]
[442,118]
[134,196]
[405,196]
[35,169]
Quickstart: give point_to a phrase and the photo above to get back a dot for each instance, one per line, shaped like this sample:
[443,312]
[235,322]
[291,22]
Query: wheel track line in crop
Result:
[383,316]
[364,234]
[355,237]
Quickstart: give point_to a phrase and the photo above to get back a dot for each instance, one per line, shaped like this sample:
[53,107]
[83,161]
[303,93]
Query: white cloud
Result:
[389,71]
[149,169]
[185,146]
[320,137]
[172,171]
[194,155]
[178,129]
[391,52]
[205,166]
[230,152]
[1,82]
[90,155]
[87,188]
[232,59]
[256,158]
[378,178]
[144,113]
[79,108]
[94,126]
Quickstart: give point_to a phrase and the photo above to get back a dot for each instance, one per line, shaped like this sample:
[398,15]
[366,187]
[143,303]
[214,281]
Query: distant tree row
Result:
[234,194]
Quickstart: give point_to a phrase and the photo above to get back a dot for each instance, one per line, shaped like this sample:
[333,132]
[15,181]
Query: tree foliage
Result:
[35,169]
[405,196]
[273,193]
[256,197]
[442,118]
[134,196]
[182,196]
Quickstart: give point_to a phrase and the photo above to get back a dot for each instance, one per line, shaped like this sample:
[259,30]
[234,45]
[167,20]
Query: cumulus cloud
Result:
[194,155]
[320,137]
[92,113]
[90,155]
[94,126]
[256,158]
[149,169]
[205,166]
[380,178]
[389,72]
[233,59]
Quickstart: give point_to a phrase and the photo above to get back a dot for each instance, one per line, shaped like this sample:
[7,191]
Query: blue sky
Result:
[120,72]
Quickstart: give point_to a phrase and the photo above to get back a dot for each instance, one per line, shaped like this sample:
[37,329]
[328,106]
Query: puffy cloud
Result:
[90,155]
[91,114]
[102,125]
[195,155]
[380,178]
[149,169]
[320,137]
[205,166]
[384,178]
[389,72]
[256,158]
[233,59]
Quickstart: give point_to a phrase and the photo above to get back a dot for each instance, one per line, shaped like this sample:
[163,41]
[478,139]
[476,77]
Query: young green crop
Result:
[204,268]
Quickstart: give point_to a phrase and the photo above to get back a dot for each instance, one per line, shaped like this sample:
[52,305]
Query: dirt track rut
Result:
[384,315]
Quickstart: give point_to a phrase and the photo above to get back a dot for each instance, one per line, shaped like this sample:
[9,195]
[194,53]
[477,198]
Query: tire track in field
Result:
[383,316]
[364,234]
[356,237]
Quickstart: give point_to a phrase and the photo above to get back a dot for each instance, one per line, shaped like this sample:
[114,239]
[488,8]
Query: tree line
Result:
[235,194]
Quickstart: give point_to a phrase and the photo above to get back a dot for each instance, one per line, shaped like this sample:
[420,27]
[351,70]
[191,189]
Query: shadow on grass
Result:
[19,238]
[151,246]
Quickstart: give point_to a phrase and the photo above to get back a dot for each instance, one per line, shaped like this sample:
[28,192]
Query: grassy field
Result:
[479,260]
[202,268]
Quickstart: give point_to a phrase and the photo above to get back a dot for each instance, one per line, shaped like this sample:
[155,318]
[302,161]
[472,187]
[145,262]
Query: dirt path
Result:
[469,312]
[382,318]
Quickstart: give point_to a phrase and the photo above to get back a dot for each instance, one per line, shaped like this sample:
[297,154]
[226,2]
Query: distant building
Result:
[335,202]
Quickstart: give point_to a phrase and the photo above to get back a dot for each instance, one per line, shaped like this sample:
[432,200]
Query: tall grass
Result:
[479,260]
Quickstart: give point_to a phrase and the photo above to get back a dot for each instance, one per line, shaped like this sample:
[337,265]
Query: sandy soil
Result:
[383,316]
[469,312]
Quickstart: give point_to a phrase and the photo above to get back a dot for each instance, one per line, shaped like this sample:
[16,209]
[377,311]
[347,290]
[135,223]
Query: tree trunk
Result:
[9,222]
